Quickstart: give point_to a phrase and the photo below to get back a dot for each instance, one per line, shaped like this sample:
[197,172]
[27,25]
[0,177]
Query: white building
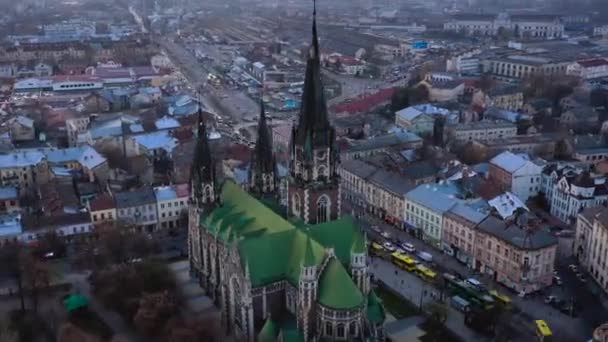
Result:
[464,64]
[591,243]
[572,193]
[171,202]
[137,207]
[483,131]
[527,26]
[600,30]
[589,69]
[516,173]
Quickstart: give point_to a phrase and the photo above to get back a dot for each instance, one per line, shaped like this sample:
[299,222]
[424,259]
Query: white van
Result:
[424,256]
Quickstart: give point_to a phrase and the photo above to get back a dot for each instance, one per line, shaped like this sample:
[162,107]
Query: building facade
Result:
[483,131]
[590,243]
[137,207]
[171,204]
[589,69]
[527,26]
[516,174]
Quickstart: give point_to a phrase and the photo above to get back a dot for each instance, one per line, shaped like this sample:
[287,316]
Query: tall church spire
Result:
[202,173]
[262,171]
[313,110]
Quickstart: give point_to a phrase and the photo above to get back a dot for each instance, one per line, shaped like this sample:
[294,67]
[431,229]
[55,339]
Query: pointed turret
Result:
[262,172]
[358,262]
[309,257]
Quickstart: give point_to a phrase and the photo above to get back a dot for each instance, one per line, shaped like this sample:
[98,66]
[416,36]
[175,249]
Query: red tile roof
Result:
[365,103]
[102,202]
[182,190]
[593,62]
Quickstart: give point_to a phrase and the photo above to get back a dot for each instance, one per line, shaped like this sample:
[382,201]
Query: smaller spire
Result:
[314,51]
[309,257]
[358,246]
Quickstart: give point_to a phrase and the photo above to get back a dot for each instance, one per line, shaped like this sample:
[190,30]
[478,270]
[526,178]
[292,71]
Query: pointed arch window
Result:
[323,209]
[207,196]
[296,205]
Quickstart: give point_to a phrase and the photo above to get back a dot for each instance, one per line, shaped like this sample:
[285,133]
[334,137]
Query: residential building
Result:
[84,159]
[314,277]
[503,97]
[581,116]
[374,190]
[155,145]
[465,64]
[103,209]
[425,207]
[523,25]
[11,228]
[459,232]
[517,174]
[398,141]
[172,204]
[9,200]
[590,148]
[137,207]
[70,227]
[419,119]
[21,129]
[443,87]
[75,127]
[521,258]
[590,241]
[26,170]
[574,192]
[589,69]
[600,30]
[542,144]
[483,131]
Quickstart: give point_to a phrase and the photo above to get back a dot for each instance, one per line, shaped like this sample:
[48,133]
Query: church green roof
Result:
[358,246]
[243,215]
[336,288]
[375,311]
[269,331]
[338,234]
[309,258]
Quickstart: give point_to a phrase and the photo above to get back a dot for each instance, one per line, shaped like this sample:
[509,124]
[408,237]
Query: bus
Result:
[543,332]
[376,249]
[403,261]
[426,273]
[463,289]
[502,299]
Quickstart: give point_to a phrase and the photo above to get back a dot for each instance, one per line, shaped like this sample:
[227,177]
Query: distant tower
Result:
[263,168]
[314,185]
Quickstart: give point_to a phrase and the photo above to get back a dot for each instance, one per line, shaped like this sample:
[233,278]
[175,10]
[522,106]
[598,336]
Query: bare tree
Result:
[10,264]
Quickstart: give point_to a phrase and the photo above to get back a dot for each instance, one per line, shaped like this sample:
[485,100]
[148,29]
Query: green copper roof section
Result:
[243,214]
[290,332]
[375,310]
[309,257]
[339,234]
[269,331]
[336,289]
[358,246]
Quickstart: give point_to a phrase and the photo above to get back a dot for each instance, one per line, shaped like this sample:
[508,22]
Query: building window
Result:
[341,331]
[295,206]
[329,329]
[323,209]
[353,329]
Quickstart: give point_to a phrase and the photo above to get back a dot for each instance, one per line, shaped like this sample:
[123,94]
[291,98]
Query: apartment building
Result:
[419,119]
[379,144]
[537,144]
[589,69]
[517,174]
[509,98]
[171,204]
[574,192]
[591,244]
[102,209]
[425,207]
[137,207]
[374,191]
[483,131]
[9,200]
[26,170]
[519,259]
[459,231]
[75,127]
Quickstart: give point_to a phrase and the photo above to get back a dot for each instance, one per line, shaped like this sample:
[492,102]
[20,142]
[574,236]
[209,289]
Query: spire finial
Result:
[314,53]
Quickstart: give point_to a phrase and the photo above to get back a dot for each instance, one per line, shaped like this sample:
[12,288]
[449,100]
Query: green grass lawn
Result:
[395,305]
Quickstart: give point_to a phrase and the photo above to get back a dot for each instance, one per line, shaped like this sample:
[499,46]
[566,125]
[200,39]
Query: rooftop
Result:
[437,197]
[8,192]
[157,140]
[171,192]
[515,236]
[485,124]
[412,112]
[21,159]
[85,155]
[10,224]
[507,204]
[135,198]
[509,162]
[102,202]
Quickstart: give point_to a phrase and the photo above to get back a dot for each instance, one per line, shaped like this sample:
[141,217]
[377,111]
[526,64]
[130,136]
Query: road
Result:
[532,308]
[418,292]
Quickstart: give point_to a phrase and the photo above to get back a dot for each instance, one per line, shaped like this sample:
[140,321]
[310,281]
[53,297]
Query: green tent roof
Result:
[75,302]
[339,234]
[375,311]
[269,331]
[336,289]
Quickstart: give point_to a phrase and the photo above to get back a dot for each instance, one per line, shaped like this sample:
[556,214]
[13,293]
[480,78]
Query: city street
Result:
[420,293]
[532,307]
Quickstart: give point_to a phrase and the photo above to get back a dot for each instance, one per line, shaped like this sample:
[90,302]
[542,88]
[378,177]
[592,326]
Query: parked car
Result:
[557,280]
[408,247]
[550,299]
[385,235]
[424,256]
[573,268]
[389,246]
[377,229]
[581,277]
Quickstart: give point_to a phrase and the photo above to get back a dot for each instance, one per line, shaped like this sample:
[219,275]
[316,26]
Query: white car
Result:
[389,246]
[385,235]
[408,247]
